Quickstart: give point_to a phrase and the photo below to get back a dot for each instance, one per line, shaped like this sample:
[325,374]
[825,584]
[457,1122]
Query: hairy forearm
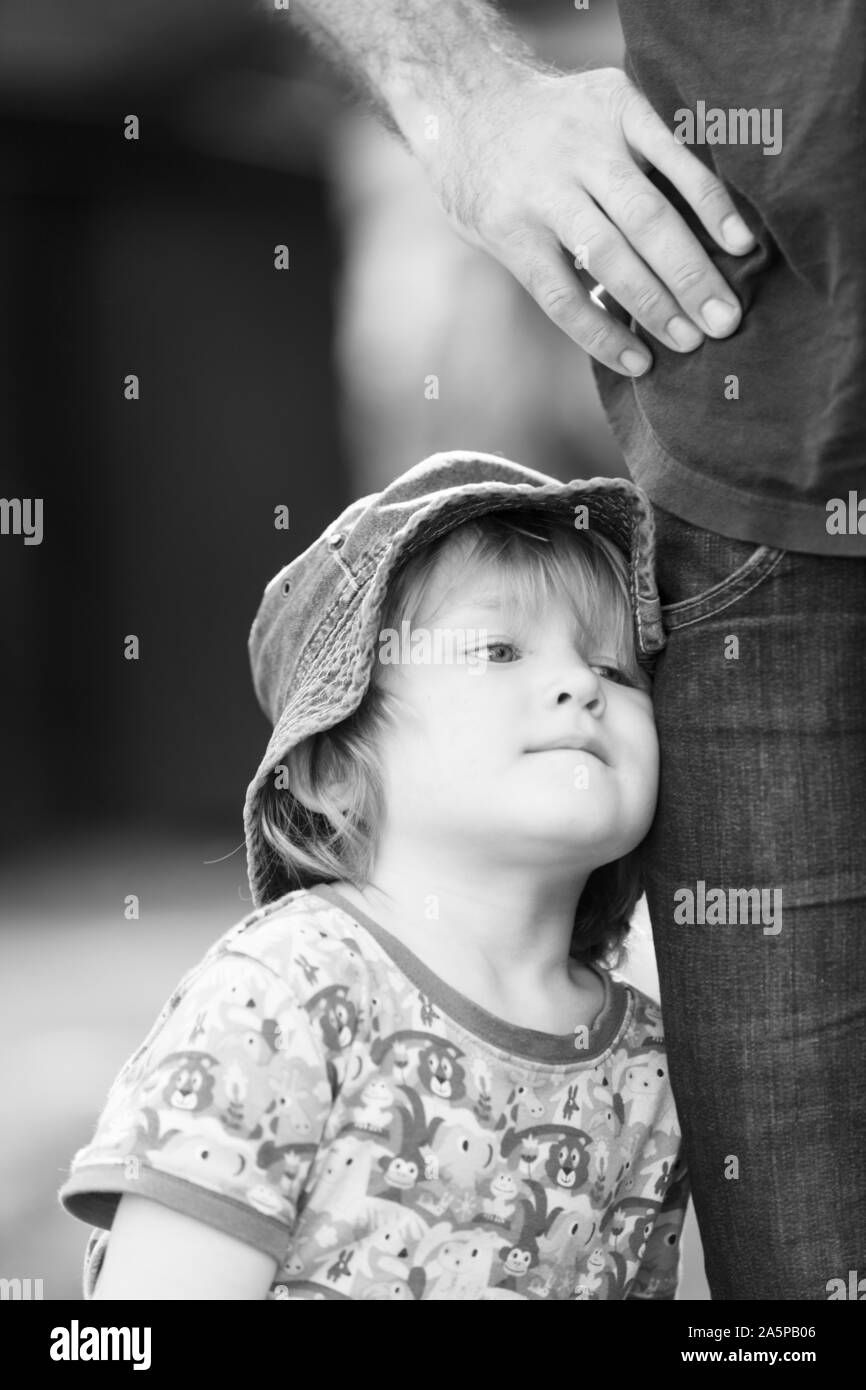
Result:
[417,59]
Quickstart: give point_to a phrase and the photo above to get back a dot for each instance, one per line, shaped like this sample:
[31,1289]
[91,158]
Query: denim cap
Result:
[315,637]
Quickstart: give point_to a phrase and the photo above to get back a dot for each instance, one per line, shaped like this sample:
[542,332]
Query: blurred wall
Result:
[155,256]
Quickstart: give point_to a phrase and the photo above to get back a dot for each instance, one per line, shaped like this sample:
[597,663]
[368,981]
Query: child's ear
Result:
[341,780]
[338,789]
[340,784]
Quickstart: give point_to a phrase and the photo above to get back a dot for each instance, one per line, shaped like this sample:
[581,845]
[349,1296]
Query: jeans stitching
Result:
[763,567]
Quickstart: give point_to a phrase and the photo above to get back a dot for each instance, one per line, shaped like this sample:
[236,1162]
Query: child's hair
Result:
[325,827]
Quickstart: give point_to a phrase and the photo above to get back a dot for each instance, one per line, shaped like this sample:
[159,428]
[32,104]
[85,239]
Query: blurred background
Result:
[258,388]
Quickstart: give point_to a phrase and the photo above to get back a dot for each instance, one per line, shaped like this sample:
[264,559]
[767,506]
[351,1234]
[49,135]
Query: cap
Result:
[314,640]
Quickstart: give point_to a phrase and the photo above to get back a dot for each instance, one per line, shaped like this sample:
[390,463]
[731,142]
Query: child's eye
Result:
[613,673]
[498,647]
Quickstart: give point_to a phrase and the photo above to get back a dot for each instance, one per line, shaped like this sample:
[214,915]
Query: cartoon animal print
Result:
[567,1162]
[393,1291]
[343,1183]
[657,1160]
[659,1257]
[336,1015]
[523,1253]
[242,1093]
[377,1107]
[593,1282]
[645,1077]
[571,1104]
[342,1267]
[453,1265]
[237,1002]
[256,1043]
[203,1159]
[440,1069]
[310,971]
[403,1170]
[206,1151]
[190,1083]
[522,1097]
[383,1254]
[569,1231]
[462,1154]
[285,1166]
[501,1205]
[629,1223]
[607,1113]
[286,1119]
[428,1014]
[482,1084]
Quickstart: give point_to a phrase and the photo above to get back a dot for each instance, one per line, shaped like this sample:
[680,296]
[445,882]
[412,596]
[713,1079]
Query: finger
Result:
[647,133]
[536,260]
[601,249]
[655,230]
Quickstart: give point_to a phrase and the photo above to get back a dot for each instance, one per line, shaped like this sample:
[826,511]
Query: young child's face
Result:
[464,764]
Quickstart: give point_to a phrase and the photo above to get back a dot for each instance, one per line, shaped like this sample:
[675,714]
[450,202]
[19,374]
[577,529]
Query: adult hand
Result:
[538,162]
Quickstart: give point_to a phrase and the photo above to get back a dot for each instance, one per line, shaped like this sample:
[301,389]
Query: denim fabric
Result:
[763,784]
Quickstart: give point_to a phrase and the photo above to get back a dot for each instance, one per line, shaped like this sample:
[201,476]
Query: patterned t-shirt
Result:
[312,1088]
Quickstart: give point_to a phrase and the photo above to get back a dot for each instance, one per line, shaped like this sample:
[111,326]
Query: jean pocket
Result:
[701,573]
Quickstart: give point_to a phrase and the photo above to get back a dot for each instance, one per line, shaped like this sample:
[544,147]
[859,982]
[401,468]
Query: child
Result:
[410,1073]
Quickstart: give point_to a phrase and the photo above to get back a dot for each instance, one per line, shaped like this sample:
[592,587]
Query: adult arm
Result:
[527,160]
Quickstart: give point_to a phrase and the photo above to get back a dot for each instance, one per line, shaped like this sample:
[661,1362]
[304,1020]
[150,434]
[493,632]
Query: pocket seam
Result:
[756,569]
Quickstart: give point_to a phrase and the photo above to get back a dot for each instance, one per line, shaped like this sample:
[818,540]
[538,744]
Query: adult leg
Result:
[761,708]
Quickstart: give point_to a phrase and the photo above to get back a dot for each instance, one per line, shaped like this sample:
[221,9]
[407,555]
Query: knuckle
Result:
[590,243]
[516,238]
[646,299]
[710,193]
[643,212]
[621,173]
[586,229]
[500,227]
[557,299]
[595,337]
[623,96]
[686,276]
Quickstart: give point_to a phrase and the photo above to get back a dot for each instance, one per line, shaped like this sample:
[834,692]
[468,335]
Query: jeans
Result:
[760,700]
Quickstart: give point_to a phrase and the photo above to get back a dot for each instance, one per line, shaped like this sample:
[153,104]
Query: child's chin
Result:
[561,826]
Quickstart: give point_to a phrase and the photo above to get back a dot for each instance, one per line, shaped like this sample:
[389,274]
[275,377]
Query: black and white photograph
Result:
[433,560]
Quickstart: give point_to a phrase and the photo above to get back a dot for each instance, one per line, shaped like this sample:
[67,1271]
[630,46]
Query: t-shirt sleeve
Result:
[218,1114]
[658,1273]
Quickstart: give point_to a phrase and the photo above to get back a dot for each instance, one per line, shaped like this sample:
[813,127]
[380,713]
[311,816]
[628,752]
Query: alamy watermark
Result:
[23,1290]
[846,517]
[22,516]
[77,1343]
[739,125]
[441,646]
[720,907]
[854,1288]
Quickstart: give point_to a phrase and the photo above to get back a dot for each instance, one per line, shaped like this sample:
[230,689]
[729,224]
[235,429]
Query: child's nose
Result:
[579,682]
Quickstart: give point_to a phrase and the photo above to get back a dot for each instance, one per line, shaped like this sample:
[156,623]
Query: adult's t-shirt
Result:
[762,436]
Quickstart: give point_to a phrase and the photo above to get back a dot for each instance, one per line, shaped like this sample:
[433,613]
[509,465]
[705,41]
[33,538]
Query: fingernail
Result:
[634,362]
[683,333]
[719,315]
[736,233]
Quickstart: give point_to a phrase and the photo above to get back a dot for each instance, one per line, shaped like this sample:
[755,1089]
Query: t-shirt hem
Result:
[695,497]
[91,1193]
